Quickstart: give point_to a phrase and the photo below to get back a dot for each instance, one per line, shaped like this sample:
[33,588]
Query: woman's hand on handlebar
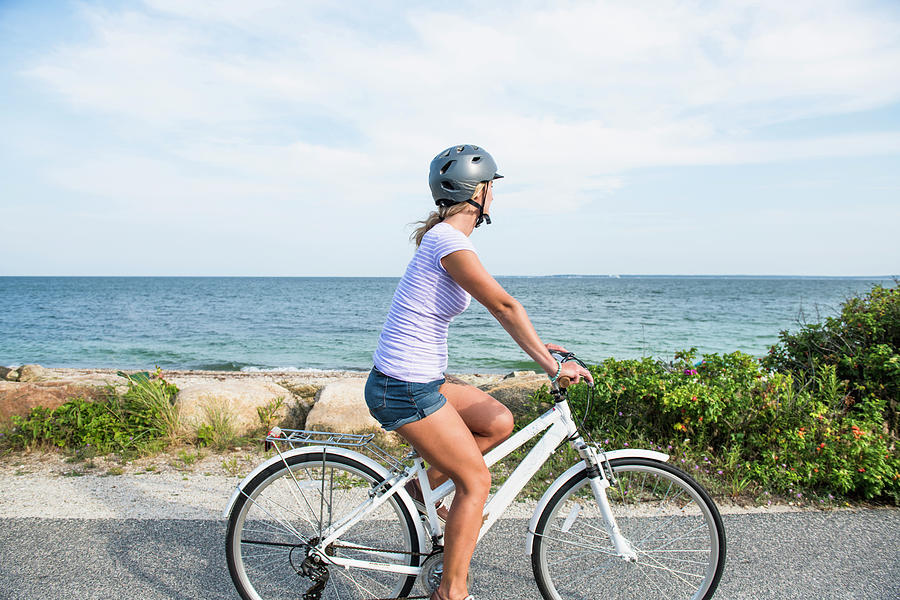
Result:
[575,372]
[556,348]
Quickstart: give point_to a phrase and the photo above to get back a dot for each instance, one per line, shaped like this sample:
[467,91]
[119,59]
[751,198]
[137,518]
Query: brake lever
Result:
[563,357]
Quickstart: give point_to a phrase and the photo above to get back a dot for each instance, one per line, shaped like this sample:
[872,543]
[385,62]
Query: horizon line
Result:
[553,275]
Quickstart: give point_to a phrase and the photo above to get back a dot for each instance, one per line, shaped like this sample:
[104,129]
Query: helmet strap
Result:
[482,217]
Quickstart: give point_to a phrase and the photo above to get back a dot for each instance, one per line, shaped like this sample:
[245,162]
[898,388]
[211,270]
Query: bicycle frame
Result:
[559,425]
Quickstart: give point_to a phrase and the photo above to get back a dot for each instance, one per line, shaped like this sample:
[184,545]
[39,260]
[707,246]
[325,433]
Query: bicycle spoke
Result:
[286,506]
[604,566]
[675,572]
[681,560]
[289,512]
[588,536]
[571,543]
[651,580]
[570,557]
[286,526]
[685,536]
[669,525]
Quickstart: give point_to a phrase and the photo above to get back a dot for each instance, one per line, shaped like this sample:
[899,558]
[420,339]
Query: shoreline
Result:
[316,377]
[312,376]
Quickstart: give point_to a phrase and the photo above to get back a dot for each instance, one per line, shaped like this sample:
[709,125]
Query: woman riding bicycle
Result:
[450,424]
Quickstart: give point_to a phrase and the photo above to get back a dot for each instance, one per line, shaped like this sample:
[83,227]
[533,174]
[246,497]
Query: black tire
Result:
[670,520]
[282,510]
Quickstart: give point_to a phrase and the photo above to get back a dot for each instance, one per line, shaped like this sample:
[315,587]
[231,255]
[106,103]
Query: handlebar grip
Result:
[564,382]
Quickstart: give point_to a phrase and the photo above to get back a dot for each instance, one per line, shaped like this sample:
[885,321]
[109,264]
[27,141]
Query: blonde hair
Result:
[440,214]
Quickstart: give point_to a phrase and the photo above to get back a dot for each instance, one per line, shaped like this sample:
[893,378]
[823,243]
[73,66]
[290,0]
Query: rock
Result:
[301,390]
[475,379]
[239,398]
[18,398]
[341,406]
[516,374]
[5,371]
[514,393]
[32,373]
[304,400]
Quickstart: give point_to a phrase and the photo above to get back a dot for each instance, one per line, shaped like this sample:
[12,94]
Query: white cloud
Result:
[212,104]
[668,81]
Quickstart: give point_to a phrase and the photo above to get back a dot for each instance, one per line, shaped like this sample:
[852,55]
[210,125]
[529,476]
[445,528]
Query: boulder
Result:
[514,392]
[239,398]
[341,406]
[33,373]
[301,390]
[516,374]
[5,374]
[18,398]
[304,400]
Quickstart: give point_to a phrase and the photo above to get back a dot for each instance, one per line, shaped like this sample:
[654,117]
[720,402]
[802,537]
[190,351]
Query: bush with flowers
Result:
[862,346]
[808,418]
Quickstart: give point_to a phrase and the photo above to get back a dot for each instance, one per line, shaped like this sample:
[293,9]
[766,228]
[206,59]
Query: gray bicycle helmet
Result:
[457,171]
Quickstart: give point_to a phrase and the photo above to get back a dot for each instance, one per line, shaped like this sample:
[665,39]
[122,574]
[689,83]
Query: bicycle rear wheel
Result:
[284,511]
[671,522]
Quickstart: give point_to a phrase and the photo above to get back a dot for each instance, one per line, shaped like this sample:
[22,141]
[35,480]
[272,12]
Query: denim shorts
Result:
[394,402]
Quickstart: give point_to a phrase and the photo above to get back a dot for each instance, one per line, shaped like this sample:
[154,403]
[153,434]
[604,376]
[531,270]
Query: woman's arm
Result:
[466,270]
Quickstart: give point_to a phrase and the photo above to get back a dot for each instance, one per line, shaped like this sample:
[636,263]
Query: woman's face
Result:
[488,196]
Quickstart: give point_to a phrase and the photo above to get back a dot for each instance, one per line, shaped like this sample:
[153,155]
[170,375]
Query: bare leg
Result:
[445,441]
[489,421]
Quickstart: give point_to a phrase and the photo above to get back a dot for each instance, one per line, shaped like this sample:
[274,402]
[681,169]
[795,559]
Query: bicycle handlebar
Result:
[564,381]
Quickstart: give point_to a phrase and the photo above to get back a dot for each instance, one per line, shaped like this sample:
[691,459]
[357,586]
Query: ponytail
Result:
[436,216]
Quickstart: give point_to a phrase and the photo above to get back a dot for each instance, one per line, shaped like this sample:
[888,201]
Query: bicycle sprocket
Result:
[432,572]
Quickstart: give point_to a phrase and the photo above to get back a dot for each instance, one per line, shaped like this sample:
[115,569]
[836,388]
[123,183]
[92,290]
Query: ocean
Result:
[273,323]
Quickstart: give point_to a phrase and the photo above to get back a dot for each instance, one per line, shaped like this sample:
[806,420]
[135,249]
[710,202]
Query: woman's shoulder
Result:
[444,231]
[443,240]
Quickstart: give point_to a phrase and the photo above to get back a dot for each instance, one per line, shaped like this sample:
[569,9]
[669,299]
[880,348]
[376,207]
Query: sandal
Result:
[415,492]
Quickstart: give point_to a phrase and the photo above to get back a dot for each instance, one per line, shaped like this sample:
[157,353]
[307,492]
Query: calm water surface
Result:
[228,323]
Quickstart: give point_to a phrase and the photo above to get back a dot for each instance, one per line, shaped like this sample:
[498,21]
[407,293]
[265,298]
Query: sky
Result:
[270,138]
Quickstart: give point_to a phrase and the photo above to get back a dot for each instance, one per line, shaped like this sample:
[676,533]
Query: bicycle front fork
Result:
[599,473]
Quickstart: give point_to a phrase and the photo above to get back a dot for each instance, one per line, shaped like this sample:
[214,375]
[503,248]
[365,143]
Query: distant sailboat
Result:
[614,276]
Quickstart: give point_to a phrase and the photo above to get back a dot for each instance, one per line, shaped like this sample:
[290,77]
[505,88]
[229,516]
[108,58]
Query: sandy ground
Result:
[173,485]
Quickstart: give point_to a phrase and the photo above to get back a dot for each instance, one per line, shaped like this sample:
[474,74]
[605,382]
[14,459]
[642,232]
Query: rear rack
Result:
[293,438]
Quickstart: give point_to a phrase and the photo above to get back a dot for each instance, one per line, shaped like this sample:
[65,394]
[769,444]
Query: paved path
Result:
[827,555]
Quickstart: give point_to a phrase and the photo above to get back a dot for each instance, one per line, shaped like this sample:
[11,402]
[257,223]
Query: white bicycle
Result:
[328,517]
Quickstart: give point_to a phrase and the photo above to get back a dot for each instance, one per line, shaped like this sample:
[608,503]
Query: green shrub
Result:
[139,420]
[217,429]
[862,345]
[154,397]
[744,425]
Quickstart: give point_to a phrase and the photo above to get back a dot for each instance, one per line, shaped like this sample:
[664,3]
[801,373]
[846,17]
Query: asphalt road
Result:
[817,555]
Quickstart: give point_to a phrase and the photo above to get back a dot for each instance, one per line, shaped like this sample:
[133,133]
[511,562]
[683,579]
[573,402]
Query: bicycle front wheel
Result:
[285,510]
[669,519]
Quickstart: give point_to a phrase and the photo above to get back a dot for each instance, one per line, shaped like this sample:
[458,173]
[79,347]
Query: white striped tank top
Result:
[413,342]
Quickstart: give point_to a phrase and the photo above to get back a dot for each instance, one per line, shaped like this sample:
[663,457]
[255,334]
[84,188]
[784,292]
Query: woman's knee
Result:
[499,425]
[475,480]
[503,424]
